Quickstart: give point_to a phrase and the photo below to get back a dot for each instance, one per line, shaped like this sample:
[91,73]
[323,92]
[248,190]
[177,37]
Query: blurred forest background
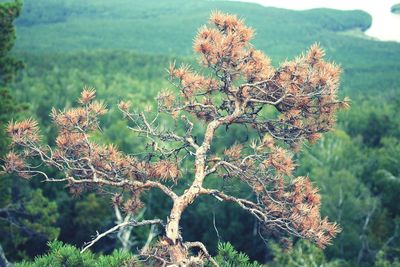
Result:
[123,47]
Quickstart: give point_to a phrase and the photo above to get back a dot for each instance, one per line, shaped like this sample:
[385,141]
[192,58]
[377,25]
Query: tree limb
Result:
[116,227]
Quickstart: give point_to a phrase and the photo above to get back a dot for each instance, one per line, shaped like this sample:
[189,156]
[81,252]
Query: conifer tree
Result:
[20,205]
[282,107]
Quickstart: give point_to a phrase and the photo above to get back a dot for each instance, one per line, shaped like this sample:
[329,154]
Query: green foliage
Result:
[379,131]
[383,261]
[374,122]
[31,220]
[80,217]
[167,28]
[302,254]
[61,255]
[43,214]
[8,108]
[228,257]
[358,176]
[92,211]
[334,164]
[385,173]
[27,217]
[8,65]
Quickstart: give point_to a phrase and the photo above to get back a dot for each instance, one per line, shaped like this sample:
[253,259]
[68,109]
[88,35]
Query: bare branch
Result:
[118,226]
[134,184]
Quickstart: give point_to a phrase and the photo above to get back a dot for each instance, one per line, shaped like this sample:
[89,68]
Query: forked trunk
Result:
[178,253]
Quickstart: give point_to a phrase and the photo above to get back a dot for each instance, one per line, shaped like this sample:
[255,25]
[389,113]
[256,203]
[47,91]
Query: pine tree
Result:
[282,107]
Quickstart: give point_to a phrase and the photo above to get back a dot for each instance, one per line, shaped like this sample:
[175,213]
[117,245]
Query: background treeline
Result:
[122,48]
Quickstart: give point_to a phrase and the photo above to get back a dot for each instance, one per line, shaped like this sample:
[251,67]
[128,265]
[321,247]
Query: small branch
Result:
[115,228]
[256,210]
[189,137]
[136,184]
[254,84]
[243,203]
[203,249]
[274,103]
[222,163]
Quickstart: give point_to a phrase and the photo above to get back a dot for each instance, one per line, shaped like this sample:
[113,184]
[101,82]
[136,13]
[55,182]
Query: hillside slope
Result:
[168,27]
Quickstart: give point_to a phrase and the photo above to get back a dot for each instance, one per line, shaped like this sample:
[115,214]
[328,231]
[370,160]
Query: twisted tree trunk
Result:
[178,252]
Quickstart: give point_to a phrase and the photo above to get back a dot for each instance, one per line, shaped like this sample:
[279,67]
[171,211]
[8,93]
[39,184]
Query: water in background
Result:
[385,25]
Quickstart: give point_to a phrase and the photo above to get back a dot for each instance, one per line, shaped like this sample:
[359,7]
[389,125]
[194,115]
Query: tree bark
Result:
[178,253]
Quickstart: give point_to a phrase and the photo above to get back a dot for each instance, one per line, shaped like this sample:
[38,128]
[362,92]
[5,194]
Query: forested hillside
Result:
[167,28]
[123,48]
